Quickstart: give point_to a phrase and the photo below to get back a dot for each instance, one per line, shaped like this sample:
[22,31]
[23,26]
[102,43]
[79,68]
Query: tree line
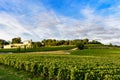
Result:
[50,42]
[54,42]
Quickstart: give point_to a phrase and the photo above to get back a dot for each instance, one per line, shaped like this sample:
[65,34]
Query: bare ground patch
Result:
[51,52]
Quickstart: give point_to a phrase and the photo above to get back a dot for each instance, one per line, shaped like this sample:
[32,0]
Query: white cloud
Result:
[42,23]
[10,27]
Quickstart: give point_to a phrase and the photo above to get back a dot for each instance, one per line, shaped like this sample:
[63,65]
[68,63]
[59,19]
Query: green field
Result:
[51,48]
[97,52]
[87,64]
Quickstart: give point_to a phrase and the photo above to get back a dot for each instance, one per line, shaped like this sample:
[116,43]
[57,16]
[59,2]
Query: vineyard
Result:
[65,67]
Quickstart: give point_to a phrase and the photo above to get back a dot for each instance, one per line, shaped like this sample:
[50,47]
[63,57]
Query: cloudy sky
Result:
[60,19]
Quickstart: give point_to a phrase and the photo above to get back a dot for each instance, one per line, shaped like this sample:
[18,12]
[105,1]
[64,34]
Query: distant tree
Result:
[71,42]
[53,42]
[1,43]
[78,41]
[95,42]
[37,44]
[6,42]
[110,44]
[50,42]
[66,42]
[16,40]
[46,42]
[86,41]
[80,46]
[60,42]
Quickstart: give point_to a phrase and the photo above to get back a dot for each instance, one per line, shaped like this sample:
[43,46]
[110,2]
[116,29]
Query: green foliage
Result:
[95,42]
[96,52]
[95,46]
[110,45]
[16,40]
[37,44]
[77,74]
[91,64]
[63,74]
[8,73]
[1,43]
[85,41]
[80,46]
[49,42]
[54,42]
[104,66]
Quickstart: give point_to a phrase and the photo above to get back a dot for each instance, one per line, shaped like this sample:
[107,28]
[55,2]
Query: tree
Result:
[95,42]
[50,42]
[1,43]
[16,40]
[85,41]
[110,44]
[80,46]
[6,42]
[36,44]
[78,41]
[60,42]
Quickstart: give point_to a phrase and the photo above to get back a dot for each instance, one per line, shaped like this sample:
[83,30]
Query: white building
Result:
[27,43]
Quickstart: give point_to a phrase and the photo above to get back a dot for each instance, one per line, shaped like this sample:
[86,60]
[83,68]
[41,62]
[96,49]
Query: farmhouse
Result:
[26,43]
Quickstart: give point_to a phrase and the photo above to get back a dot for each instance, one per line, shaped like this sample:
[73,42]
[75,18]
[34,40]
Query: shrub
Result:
[80,46]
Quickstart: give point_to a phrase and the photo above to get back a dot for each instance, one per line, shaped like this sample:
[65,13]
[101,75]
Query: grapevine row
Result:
[54,67]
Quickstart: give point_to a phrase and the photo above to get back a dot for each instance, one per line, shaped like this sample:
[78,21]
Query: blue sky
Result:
[60,19]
